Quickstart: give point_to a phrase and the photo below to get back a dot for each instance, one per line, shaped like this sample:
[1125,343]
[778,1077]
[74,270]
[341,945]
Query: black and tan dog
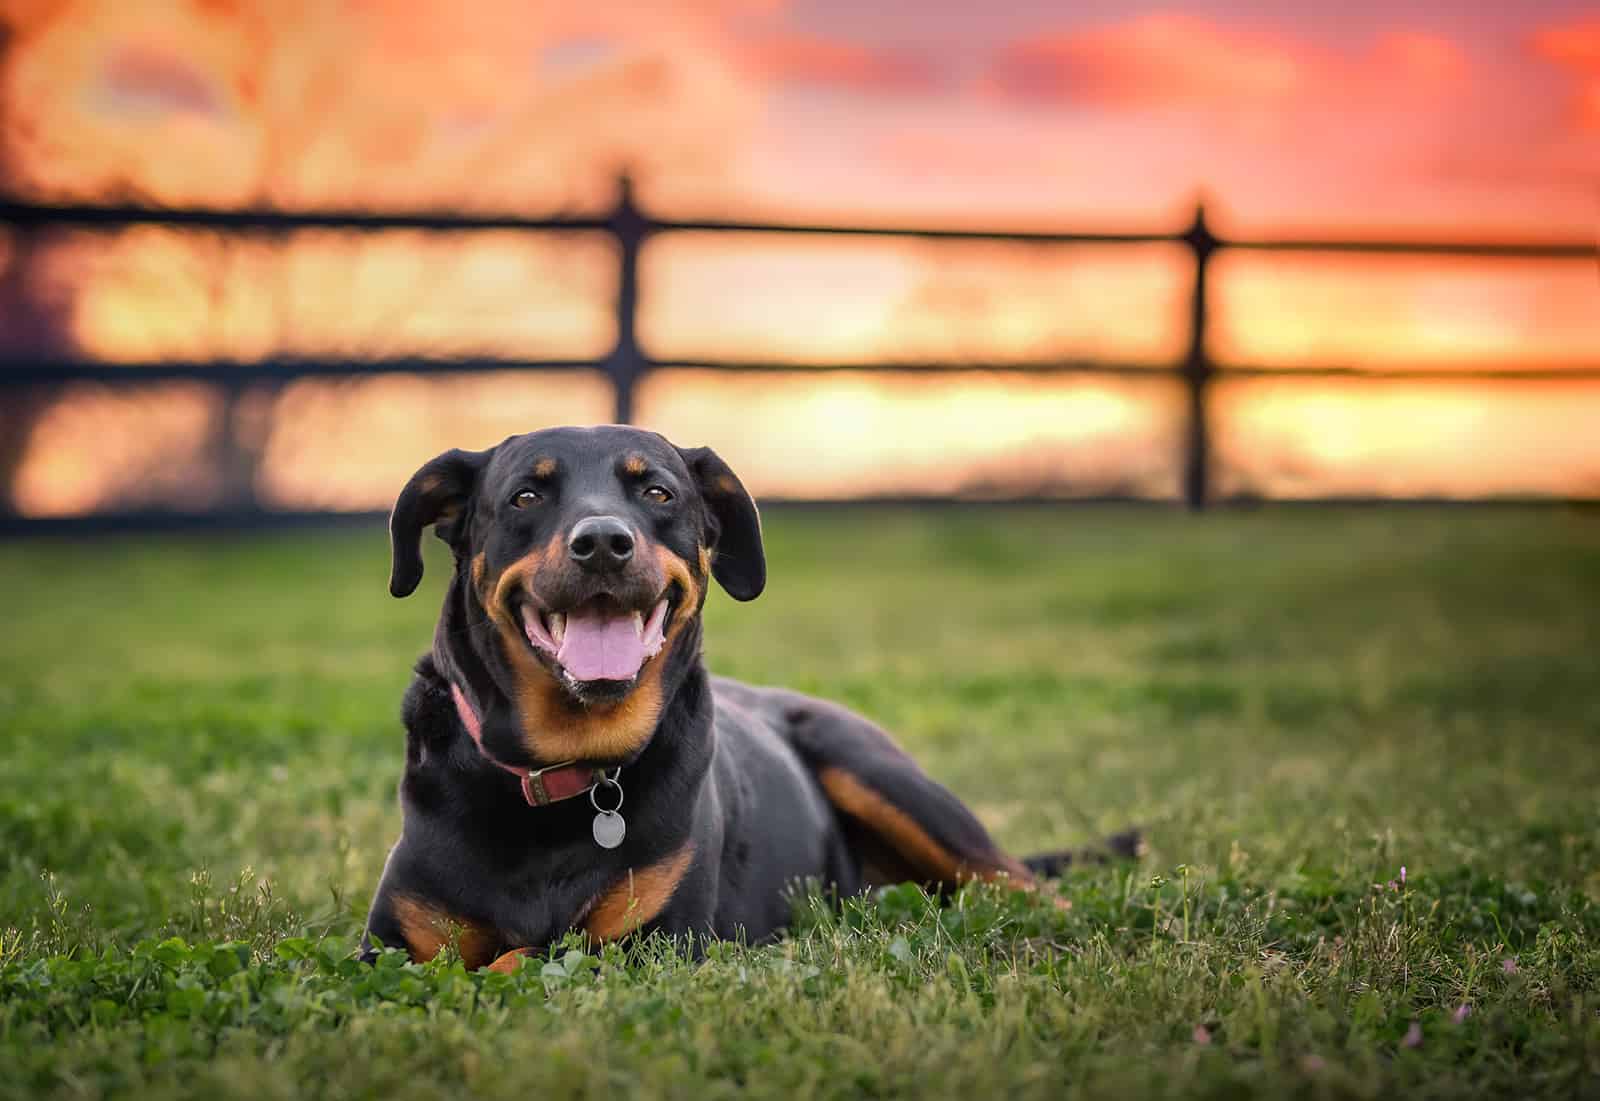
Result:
[569,762]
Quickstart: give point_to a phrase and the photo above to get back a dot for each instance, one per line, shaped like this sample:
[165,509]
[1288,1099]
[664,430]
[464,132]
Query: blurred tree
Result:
[301,104]
[33,323]
[273,75]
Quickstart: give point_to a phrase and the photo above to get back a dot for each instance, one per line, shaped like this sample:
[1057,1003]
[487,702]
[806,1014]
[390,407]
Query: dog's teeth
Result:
[638,623]
[558,626]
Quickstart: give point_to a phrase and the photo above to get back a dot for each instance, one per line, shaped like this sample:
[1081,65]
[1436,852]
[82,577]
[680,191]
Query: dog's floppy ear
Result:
[738,561]
[436,494]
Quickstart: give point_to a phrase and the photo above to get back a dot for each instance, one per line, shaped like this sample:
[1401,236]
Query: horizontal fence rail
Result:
[35,372]
[627,362]
[48,215]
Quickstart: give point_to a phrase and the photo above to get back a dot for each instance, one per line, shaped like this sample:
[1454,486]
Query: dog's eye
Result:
[526,499]
[659,494]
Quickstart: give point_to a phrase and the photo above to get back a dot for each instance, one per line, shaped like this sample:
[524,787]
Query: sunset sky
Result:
[1464,116]
[1466,120]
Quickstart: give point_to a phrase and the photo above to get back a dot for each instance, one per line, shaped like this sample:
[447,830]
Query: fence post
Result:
[1197,369]
[626,364]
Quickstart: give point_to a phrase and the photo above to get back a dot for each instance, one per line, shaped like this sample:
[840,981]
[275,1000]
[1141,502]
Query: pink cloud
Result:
[832,63]
[1409,121]
[141,77]
[1175,60]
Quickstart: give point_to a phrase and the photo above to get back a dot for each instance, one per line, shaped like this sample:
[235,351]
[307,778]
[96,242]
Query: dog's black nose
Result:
[600,543]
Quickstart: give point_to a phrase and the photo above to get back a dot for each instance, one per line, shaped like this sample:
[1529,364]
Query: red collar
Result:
[542,786]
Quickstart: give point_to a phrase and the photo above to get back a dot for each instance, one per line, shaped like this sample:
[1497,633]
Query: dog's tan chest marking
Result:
[638,897]
[427,929]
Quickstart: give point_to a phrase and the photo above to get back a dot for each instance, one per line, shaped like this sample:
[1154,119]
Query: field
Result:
[1365,745]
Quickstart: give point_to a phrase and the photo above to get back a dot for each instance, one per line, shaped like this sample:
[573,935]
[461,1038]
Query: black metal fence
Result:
[628,362]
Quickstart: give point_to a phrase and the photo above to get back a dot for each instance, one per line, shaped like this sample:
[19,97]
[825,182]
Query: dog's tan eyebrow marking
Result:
[544,467]
[634,465]
[726,484]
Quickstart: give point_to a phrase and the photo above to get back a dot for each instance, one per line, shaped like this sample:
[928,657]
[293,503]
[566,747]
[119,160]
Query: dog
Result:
[570,763]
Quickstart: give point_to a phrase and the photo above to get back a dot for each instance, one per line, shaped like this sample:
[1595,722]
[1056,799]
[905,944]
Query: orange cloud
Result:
[1154,60]
[830,63]
[1576,43]
[1421,60]
[1575,46]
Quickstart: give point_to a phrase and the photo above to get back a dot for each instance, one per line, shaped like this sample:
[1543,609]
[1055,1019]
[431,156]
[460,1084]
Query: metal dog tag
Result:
[608,827]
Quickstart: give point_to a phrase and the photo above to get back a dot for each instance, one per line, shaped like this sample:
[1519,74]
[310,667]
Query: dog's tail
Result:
[1128,844]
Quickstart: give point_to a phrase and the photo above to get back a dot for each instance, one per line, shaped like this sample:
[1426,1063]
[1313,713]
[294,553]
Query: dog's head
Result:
[582,556]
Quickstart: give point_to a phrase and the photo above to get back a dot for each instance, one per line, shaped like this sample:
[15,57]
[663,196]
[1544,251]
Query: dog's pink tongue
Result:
[601,647]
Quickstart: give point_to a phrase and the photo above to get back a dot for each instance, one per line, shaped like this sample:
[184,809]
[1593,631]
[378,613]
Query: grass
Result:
[201,744]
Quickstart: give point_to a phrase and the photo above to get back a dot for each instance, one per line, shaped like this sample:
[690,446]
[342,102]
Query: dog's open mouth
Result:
[598,640]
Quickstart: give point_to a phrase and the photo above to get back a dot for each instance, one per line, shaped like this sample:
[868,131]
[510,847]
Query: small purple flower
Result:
[1202,1035]
[1463,1011]
[1402,875]
[1413,1036]
[1509,965]
[1312,1063]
